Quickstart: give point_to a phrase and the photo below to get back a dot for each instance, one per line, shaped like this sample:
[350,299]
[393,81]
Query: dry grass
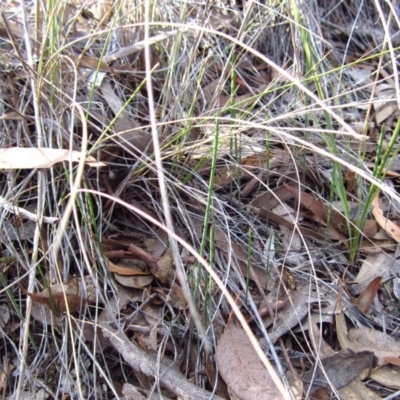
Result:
[202,114]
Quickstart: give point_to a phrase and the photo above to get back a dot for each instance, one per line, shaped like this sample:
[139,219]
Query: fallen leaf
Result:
[374,265]
[322,212]
[177,297]
[68,296]
[356,390]
[232,172]
[163,270]
[158,244]
[126,267]
[365,339]
[134,281]
[40,157]
[215,379]
[370,228]
[90,62]
[277,219]
[392,229]
[387,376]
[376,245]
[271,198]
[339,369]
[128,131]
[292,313]
[238,253]
[365,299]
[392,360]
[241,368]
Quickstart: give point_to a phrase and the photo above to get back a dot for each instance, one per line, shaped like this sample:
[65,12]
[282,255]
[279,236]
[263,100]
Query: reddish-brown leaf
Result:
[68,296]
[365,299]
[322,212]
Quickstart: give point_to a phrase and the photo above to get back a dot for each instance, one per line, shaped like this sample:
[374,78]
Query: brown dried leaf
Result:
[321,212]
[339,369]
[387,376]
[365,299]
[127,129]
[215,379]
[68,296]
[370,228]
[392,360]
[40,157]
[241,368]
[271,198]
[392,229]
[134,281]
[356,390]
[156,245]
[126,267]
[277,219]
[178,299]
[377,245]
[239,254]
[163,271]
[246,167]
[90,62]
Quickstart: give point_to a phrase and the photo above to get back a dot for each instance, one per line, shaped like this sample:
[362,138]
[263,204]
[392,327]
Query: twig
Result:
[26,214]
[169,378]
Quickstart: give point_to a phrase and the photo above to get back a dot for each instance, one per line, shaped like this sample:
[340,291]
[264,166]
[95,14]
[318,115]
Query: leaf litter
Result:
[241,368]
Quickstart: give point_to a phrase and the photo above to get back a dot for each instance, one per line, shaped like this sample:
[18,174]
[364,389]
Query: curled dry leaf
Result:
[128,274]
[241,368]
[40,157]
[68,296]
[90,62]
[392,229]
